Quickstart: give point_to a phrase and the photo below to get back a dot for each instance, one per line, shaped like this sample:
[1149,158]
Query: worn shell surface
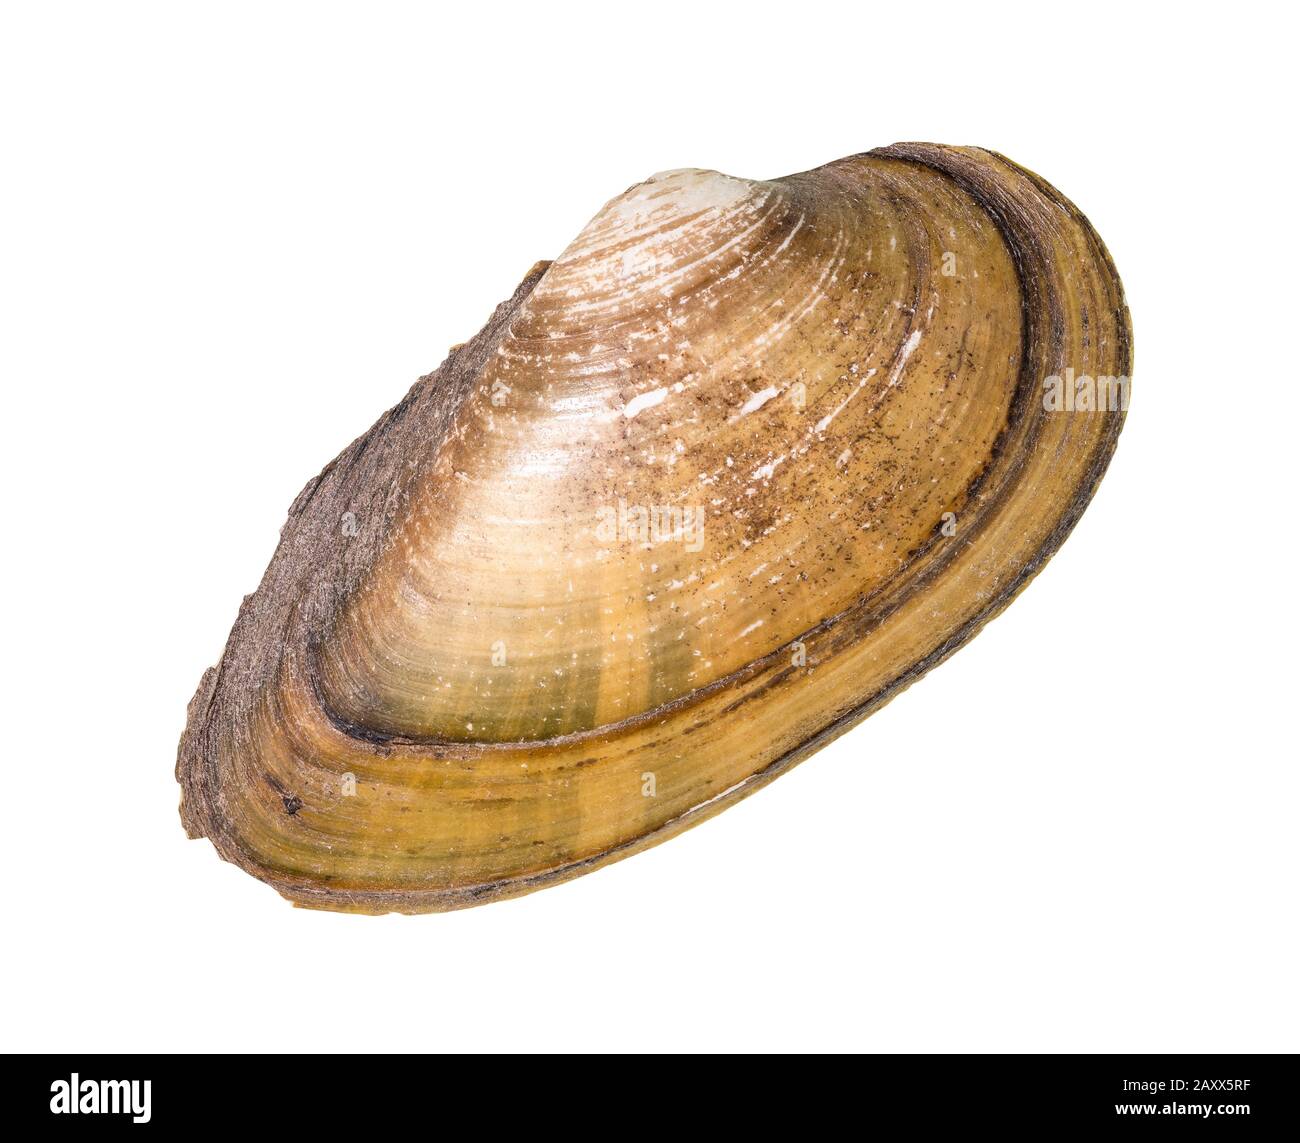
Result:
[743,462]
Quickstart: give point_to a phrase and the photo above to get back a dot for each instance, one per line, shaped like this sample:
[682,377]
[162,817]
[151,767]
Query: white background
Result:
[233,234]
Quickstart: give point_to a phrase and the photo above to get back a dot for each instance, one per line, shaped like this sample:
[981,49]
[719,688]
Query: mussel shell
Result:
[746,460]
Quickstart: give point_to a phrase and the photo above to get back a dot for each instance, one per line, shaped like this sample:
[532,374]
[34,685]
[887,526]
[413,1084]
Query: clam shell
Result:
[743,462]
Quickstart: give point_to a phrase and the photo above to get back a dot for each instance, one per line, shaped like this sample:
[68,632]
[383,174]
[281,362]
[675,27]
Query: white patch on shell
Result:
[910,344]
[758,400]
[764,471]
[644,401]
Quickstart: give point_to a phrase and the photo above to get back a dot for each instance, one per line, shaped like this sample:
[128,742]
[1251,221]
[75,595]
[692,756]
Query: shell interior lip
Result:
[745,460]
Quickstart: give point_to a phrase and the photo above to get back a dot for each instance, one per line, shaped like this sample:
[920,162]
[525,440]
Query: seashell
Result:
[741,464]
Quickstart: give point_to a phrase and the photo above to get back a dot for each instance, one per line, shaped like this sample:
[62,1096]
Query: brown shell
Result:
[746,460]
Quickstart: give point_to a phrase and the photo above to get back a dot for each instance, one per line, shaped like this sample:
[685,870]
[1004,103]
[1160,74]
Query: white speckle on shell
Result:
[644,401]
